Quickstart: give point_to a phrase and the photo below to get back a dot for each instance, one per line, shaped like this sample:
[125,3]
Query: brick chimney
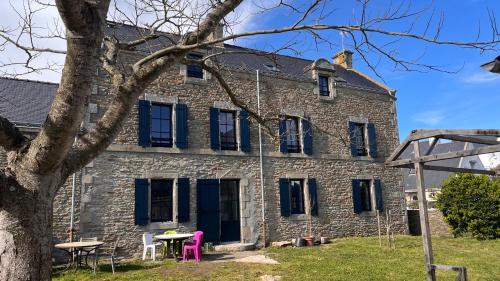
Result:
[218,33]
[343,58]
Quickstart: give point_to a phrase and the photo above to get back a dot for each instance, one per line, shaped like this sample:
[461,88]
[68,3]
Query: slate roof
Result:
[433,179]
[26,102]
[246,58]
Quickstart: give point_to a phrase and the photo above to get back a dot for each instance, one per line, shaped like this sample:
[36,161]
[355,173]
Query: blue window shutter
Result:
[352,126]
[307,136]
[214,128]
[284,197]
[282,132]
[141,201]
[313,197]
[144,123]
[372,140]
[183,199]
[356,196]
[244,131]
[379,201]
[181,114]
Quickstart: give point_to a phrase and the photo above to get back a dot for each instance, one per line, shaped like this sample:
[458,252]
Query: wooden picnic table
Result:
[176,239]
[78,247]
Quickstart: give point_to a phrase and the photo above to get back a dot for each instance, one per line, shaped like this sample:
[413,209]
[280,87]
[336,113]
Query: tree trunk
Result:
[26,227]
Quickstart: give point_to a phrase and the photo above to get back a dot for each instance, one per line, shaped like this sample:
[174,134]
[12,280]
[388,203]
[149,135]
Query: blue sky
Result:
[469,98]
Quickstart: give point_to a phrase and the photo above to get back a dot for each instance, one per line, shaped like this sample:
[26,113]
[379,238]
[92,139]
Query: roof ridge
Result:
[113,23]
[283,55]
[29,80]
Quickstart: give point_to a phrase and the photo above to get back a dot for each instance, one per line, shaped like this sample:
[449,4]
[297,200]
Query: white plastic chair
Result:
[147,241]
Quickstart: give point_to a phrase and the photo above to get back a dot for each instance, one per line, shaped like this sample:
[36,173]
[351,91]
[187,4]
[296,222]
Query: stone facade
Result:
[105,192]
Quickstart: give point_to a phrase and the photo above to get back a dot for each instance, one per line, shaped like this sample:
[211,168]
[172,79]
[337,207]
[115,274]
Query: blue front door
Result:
[208,209]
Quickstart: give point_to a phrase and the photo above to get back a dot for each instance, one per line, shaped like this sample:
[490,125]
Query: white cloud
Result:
[429,117]
[482,77]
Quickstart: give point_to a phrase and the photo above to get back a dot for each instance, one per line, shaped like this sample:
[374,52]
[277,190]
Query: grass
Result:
[344,259]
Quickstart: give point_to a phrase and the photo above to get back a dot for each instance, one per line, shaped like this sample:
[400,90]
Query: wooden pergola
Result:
[423,160]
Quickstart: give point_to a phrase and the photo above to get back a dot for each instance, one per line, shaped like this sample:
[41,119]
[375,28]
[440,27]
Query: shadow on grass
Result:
[106,268]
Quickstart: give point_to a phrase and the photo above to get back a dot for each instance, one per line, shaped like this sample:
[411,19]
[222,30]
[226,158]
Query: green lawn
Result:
[344,259]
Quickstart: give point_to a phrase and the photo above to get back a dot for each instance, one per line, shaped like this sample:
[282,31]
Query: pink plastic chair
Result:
[194,247]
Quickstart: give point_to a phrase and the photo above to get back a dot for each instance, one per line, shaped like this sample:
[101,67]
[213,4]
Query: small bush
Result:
[471,205]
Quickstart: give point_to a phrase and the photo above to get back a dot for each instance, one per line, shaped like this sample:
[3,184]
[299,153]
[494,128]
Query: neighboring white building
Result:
[434,179]
[491,160]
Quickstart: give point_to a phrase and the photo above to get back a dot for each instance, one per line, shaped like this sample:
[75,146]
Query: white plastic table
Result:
[176,238]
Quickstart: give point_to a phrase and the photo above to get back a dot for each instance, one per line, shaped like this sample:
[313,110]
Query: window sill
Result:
[162,225]
[193,80]
[298,217]
[225,152]
[363,158]
[368,214]
[327,98]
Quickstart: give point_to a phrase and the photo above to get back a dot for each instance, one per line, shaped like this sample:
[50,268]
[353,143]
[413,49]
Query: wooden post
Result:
[424,218]
[378,224]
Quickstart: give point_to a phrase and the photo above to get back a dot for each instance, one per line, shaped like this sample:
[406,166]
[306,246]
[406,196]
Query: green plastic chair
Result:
[171,242]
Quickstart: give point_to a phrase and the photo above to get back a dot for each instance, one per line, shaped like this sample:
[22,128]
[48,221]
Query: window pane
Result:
[155,111]
[297,197]
[193,70]
[359,139]
[161,200]
[366,201]
[323,86]
[292,134]
[227,130]
[161,125]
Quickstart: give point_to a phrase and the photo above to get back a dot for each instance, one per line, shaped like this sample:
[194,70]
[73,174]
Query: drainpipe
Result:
[72,214]
[261,166]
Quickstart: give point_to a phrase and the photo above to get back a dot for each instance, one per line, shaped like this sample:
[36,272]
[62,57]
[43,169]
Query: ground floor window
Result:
[297,196]
[161,200]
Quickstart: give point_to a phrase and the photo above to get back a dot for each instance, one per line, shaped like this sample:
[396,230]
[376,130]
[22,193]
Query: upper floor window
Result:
[324,89]
[227,130]
[161,202]
[295,135]
[292,134]
[194,70]
[363,139]
[161,125]
[358,139]
[157,126]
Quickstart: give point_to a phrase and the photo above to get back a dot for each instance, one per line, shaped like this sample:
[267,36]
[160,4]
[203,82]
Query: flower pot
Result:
[309,240]
[300,242]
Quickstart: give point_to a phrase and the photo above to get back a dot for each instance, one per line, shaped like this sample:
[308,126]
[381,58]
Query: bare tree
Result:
[37,168]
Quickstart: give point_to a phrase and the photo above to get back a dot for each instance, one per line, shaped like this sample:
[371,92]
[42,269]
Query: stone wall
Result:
[107,199]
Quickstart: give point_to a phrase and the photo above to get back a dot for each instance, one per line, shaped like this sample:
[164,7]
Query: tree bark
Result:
[26,225]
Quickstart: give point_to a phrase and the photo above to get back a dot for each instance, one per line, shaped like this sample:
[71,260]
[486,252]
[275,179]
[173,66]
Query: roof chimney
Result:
[343,58]
[218,33]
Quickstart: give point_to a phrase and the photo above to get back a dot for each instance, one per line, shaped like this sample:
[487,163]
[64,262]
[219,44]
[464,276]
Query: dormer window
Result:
[324,89]
[194,70]
[272,67]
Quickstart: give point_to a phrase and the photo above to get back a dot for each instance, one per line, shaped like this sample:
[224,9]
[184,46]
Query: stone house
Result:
[187,158]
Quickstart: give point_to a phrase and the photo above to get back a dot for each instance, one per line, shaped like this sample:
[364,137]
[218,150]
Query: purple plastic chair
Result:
[194,247]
